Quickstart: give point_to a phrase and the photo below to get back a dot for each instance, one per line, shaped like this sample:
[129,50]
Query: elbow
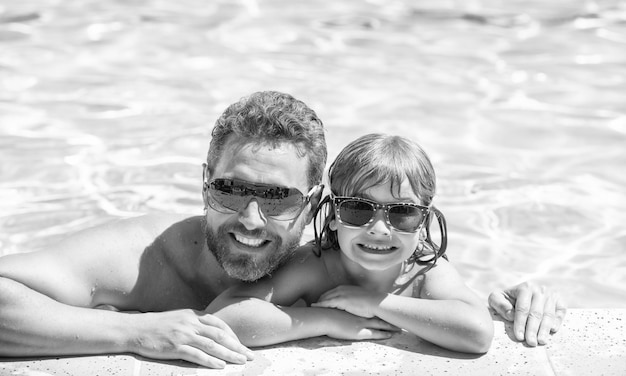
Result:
[483,343]
[479,337]
[479,331]
[239,319]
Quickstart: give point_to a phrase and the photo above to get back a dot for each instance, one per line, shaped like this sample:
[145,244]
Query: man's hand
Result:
[190,335]
[535,311]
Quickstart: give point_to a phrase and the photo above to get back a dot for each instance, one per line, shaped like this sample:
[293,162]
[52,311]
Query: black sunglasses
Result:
[232,195]
[401,216]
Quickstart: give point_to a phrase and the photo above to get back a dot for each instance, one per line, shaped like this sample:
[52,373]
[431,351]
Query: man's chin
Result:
[245,262]
[246,271]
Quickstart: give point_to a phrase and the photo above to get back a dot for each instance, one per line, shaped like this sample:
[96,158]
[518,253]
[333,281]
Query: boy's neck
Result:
[375,280]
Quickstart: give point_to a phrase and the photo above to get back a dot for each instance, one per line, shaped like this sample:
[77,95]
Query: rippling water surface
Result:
[106,110]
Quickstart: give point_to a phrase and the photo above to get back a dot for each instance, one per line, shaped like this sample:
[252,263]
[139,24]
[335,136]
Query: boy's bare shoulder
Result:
[309,266]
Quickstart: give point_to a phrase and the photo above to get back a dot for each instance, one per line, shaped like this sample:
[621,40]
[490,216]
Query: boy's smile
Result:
[377,248]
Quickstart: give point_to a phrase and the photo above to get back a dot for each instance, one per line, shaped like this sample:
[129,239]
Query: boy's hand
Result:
[535,311]
[344,325]
[353,299]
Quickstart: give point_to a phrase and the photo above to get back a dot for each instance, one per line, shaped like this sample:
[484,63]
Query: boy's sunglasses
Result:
[232,195]
[356,211]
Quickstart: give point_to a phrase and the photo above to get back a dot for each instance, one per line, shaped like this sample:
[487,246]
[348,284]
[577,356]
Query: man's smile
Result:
[252,242]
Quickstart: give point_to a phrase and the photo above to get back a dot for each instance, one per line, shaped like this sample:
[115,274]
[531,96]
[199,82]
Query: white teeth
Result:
[377,247]
[250,242]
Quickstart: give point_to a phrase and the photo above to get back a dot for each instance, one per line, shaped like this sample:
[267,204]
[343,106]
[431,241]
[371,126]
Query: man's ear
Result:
[205,184]
[315,197]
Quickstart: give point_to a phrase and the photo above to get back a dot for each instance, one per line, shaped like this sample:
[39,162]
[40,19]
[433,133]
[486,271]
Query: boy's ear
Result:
[333,224]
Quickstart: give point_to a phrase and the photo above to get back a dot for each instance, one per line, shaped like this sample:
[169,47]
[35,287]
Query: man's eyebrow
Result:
[395,199]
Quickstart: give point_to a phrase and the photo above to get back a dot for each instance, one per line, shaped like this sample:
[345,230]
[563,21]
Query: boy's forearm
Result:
[260,323]
[32,324]
[452,324]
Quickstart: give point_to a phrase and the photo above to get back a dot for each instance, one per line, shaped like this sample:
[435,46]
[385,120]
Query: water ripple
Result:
[106,110]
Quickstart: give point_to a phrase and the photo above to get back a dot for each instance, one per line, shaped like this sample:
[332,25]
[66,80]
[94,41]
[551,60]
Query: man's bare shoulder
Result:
[126,233]
[151,224]
[110,245]
[124,263]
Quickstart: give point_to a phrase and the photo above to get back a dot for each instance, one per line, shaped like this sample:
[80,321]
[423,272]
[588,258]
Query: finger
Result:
[194,355]
[522,309]
[368,333]
[328,295]
[547,321]
[216,343]
[501,305]
[214,321]
[218,331]
[376,323]
[535,316]
[560,312]
[325,304]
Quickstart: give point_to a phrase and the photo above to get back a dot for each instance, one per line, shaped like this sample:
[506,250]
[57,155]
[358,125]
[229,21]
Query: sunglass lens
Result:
[405,218]
[226,196]
[355,213]
[220,200]
[288,206]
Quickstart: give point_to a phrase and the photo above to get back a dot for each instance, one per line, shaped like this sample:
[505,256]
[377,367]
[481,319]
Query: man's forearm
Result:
[32,324]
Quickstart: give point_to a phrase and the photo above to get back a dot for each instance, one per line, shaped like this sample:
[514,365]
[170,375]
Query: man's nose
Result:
[251,216]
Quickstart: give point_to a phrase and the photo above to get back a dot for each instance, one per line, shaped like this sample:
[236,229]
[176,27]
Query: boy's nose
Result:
[251,216]
[379,225]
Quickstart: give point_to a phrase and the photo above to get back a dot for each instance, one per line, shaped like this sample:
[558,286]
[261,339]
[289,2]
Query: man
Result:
[260,189]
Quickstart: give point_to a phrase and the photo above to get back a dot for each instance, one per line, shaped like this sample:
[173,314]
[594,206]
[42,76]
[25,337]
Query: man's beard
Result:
[245,266]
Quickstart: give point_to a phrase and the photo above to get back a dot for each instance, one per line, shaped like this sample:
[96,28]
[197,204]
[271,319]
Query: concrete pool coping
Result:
[590,342]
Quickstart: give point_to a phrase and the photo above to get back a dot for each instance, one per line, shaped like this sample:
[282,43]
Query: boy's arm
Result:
[46,301]
[446,312]
[261,313]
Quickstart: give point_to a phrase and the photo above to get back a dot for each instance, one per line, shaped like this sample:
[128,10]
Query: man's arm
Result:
[47,300]
[34,324]
[535,311]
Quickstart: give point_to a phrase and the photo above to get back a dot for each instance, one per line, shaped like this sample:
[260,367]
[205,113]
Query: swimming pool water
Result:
[106,109]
